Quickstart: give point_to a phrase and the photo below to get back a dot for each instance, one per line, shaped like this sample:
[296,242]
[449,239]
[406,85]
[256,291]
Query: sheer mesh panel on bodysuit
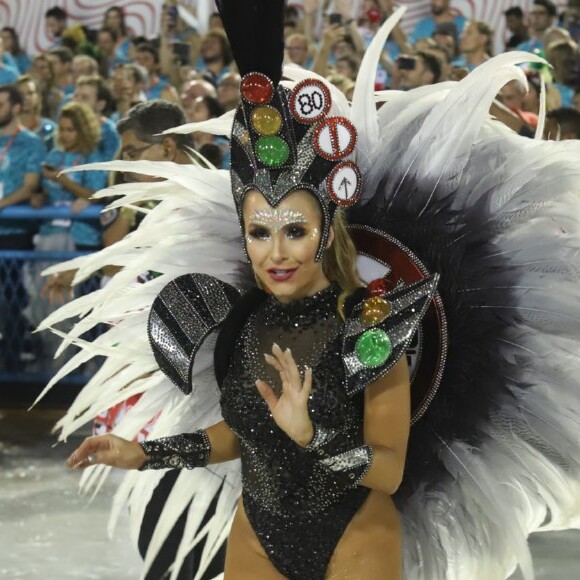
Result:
[296,507]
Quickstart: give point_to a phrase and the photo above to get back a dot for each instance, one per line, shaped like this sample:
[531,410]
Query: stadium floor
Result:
[49,532]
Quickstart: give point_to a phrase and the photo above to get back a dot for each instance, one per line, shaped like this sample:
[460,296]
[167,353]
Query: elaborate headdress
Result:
[284,140]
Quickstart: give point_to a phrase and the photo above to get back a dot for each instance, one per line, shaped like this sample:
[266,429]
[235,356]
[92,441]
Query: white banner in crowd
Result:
[143,16]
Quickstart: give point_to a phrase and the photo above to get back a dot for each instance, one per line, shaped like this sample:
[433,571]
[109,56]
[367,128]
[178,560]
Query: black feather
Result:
[255,29]
[458,247]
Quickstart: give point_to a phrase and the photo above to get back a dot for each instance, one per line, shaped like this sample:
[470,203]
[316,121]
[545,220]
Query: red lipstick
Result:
[281,274]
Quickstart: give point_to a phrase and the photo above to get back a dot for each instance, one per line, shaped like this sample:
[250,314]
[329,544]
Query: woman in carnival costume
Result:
[488,412]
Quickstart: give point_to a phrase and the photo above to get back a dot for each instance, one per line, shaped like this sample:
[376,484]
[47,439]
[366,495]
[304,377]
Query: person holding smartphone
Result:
[77,143]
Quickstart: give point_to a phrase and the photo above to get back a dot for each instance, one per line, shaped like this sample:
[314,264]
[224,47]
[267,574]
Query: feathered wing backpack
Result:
[493,452]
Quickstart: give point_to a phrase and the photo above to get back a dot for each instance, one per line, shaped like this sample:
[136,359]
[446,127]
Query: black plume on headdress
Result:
[255,29]
[283,139]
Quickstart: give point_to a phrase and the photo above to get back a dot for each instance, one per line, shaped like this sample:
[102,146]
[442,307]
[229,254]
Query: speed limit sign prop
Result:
[310,101]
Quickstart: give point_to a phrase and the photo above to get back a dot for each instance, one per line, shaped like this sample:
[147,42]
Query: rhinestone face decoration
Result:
[256,89]
[373,348]
[276,219]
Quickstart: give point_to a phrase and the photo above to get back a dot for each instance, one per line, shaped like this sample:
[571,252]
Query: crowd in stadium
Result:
[98,95]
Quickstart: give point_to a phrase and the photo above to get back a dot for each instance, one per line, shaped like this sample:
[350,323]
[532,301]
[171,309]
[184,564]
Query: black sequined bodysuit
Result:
[296,507]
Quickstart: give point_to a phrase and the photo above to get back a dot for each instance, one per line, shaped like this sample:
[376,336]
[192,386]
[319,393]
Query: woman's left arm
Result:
[387,420]
[73,187]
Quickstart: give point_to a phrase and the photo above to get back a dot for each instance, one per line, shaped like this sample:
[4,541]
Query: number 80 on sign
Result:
[310,101]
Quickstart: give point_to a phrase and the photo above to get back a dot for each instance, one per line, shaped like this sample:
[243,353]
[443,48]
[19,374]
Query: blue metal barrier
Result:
[26,357]
[26,212]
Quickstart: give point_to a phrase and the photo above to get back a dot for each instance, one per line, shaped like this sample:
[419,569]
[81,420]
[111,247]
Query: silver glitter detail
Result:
[162,336]
[263,183]
[351,462]
[215,299]
[277,219]
[192,324]
[322,436]
[305,155]
[181,317]
[240,133]
[352,364]
[238,190]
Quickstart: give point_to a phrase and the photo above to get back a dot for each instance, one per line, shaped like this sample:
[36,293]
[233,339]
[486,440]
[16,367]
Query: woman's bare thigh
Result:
[245,556]
[370,547]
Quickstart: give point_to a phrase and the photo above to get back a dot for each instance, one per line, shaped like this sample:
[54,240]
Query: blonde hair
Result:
[339,260]
[86,125]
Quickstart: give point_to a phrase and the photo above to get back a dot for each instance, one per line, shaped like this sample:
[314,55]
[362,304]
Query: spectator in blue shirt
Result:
[514,20]
[215,55]
[78,139]
[8,74]
[115,20]
[42,71]
[107,47]
[563,56]
[129,83]
[541,19]
[441,13]
[93,91]
[30,116]
[476,45]
[158,87]
[418,70]
[12,48]
[61,59]
[21,155]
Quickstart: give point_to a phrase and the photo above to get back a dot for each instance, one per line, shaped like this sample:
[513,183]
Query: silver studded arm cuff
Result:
[349,468]
[187,450]
[323,442]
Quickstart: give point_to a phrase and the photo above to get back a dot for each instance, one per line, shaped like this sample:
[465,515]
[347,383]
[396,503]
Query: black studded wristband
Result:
[188,450]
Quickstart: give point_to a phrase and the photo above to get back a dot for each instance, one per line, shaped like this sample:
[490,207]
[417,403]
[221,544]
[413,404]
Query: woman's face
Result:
[67,134]
[282,243]
[30,100]
[113,20]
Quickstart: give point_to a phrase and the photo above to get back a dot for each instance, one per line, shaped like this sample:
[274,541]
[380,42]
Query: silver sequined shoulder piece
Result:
[408,306]
[186,311]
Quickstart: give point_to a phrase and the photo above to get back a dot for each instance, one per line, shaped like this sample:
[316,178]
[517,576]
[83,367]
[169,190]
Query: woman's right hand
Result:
[107,450]
[58,288]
